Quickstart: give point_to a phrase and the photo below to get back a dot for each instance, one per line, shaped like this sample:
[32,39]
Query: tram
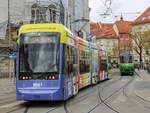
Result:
[126,65]
[53,64]
[47,63]
[94,63]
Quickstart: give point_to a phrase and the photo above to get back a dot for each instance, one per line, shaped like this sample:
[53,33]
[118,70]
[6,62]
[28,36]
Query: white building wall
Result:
[111,46]
[16,10]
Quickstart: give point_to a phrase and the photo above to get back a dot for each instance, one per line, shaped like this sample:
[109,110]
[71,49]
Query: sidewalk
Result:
[7,87]
[145,93]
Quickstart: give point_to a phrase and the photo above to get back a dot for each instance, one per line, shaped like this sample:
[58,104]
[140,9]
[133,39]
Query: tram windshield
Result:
[126,59]
[39,52]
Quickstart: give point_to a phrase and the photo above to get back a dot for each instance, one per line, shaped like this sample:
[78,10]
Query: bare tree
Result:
[139,40]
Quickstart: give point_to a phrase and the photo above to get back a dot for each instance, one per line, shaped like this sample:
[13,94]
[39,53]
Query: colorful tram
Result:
[126,65]
[53,64]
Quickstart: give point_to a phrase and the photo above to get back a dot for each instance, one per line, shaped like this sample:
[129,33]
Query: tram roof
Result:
[44,27]
[81,41]
[126,53]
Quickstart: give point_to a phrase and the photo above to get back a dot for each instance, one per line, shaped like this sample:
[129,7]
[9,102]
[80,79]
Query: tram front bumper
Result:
[39,94]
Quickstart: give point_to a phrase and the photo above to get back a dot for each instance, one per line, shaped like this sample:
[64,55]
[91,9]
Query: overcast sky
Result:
[128,8]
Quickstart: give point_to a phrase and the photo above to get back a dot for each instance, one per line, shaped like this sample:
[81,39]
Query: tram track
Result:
[125,88]
[136,95]
[103,101]
[16,108]
[27,106]
[137,74]
[65,104]
[84,96]
[27,110]
[141,98]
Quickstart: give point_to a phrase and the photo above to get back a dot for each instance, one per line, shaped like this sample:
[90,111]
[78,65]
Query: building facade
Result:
[106,38]
[71,13]
[123,32]
[115,38]
[141,25]
[81,18]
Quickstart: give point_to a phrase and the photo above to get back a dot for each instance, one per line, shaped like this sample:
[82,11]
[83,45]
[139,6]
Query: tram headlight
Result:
[23,78]
[50,77]
[27,78]
[53,77]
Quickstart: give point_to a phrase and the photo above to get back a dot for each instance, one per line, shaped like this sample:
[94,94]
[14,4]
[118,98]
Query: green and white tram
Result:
[126,65]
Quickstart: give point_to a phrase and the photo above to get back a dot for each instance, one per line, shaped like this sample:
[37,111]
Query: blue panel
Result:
[39,90]
[17,65]
[40,94]
[61,59]
[44,89]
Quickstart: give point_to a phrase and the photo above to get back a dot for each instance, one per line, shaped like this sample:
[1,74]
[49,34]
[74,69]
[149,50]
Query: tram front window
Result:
[39,53]
[126,59]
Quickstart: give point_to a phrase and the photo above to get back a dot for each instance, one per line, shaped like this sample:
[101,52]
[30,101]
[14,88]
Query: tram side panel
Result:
[94,65]
[103,65]
[84,78]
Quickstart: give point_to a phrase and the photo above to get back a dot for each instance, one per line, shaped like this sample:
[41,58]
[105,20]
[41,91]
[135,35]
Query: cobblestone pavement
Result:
[7,87]
[145,92]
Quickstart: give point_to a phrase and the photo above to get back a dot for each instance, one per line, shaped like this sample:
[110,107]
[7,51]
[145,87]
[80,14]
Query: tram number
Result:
[37,85]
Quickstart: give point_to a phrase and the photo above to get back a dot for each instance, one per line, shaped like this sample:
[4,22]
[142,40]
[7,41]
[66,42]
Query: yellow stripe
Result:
[51,27]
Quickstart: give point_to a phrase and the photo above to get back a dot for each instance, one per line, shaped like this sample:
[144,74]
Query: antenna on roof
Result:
[121,17]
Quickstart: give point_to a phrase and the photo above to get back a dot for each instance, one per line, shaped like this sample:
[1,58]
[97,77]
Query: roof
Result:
[144,17]
[103,30]
[124,26]
[44,27]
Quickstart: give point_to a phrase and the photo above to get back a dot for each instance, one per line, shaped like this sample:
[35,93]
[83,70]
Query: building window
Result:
[35,13]
[52,13]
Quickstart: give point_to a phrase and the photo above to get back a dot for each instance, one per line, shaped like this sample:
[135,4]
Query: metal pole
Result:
[9,36]
[9,22]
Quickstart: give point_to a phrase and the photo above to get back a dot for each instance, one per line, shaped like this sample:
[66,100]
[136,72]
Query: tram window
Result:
[70,61]
[81,64]
[130,59]
[121,59]
[84,63]
[74,61]
[126,59]
[66,60]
